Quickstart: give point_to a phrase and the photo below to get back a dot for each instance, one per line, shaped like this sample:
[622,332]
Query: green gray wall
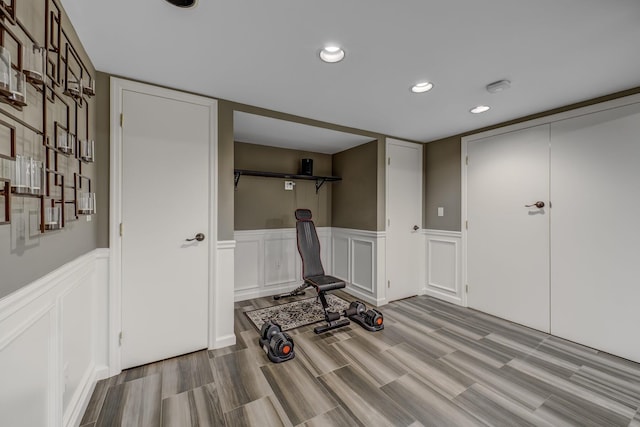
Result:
[442,184]
[103,133]
[29,255]
[226,195]
[263,203]
[355,198]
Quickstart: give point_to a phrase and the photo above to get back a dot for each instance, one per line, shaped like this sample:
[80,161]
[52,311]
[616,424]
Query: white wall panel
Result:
[363,262]
[25,388]
[268,263]
[57,322]
[280,261]
[221,332]
[248,268]
[76,334]
[341,260]
[358,258]
[443,266]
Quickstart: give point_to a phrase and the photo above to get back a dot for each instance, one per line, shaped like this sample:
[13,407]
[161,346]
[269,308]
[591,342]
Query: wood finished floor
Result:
[435,364]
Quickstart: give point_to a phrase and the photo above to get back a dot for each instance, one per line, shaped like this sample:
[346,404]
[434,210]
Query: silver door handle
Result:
[416,228]
[538,205]
[199,237]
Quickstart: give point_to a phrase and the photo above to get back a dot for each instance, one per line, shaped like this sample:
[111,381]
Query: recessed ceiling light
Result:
[422,87]
[332,53]
[480,109]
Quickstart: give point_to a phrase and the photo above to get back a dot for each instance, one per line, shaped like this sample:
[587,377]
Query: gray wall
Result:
[263,203]
[29,255]
[102,153]
[226,195]
[355,198]
[442,184]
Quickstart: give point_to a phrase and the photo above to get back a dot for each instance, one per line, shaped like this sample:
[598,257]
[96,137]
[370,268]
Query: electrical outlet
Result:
[288,185]
[88,218]
[440,211]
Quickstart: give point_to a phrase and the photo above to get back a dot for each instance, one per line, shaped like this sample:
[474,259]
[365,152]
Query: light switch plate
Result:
[440,211]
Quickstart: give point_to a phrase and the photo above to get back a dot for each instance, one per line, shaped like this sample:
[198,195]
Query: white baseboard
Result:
[364,297]
[225,341]
[75,412]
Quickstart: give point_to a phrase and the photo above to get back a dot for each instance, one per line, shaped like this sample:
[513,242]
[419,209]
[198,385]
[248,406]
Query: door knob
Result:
[538,205]
[199,237]
[416,228]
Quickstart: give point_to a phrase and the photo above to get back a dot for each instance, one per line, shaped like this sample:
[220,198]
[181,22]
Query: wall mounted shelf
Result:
[320,180]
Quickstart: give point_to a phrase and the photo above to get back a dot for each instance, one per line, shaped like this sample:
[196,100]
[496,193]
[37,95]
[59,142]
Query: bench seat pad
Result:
[325,283]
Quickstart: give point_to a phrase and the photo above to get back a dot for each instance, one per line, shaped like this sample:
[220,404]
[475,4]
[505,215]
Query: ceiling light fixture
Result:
[498,86]
[183,3]
[480,109]
[422,87]
[332,53]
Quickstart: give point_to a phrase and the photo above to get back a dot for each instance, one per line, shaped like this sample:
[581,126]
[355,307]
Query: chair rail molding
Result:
[443,266]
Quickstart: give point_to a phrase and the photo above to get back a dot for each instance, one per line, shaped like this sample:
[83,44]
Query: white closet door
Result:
[508,243]
[404,209]
[595,257]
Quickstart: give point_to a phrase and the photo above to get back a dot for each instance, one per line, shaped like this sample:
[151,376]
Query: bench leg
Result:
[332,318]
[294,293]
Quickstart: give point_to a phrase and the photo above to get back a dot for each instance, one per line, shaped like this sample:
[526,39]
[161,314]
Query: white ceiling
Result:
[265,53]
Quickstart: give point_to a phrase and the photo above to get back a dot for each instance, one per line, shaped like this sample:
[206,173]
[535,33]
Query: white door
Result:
[404,219]
[595,257]
[165,200]
[508,243]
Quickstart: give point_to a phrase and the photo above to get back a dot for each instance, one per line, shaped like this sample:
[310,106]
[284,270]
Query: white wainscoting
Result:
[267,261]
[54,344]
[221,306]
[359,259]
[444,266]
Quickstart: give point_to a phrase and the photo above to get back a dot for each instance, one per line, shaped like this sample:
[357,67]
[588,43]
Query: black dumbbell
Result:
[373,318]
[356,307]
[281,345]
[277,344]
[269,329]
